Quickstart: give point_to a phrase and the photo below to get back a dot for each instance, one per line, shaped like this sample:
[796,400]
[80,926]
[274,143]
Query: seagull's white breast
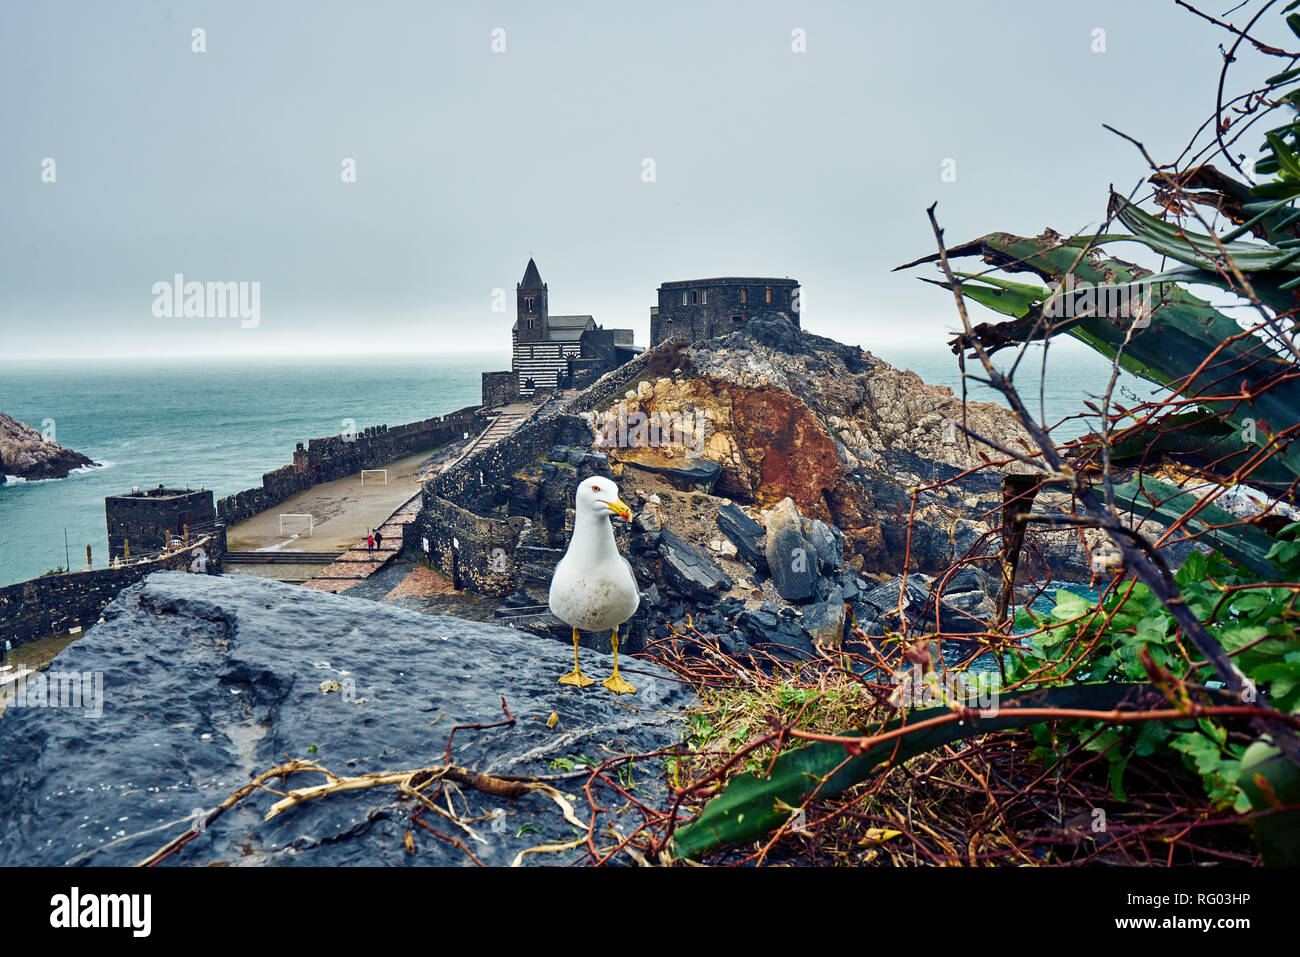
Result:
[593,587]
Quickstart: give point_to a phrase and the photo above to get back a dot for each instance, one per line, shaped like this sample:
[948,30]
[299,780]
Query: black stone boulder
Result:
[746,534]
[688,570]
[791,558]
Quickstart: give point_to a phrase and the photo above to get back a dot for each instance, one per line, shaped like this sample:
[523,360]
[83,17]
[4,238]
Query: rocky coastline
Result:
[25,453]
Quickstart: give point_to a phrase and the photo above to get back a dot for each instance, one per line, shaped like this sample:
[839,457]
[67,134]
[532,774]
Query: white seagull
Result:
[593,587]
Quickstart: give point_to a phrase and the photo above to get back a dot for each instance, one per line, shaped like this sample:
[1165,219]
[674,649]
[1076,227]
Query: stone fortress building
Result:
[148,519]
[550,352]
[694,309]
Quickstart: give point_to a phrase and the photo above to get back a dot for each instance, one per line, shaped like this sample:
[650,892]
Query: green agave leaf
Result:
[1030,292]
[1246,544]
[1283,76]
[1183,332]
[1285,158]
[1196,249]
[749,806]
[1198,436]
[1269,779]
[999,300]
[1001,295]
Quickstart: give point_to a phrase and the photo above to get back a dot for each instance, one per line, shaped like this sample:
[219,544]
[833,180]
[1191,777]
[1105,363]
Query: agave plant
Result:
[1235,413]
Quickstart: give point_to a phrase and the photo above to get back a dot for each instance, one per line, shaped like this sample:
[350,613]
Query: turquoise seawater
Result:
[1073,374]
[222,423]
[215,423]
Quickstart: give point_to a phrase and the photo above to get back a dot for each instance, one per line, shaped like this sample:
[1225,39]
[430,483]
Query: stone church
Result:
[551,352]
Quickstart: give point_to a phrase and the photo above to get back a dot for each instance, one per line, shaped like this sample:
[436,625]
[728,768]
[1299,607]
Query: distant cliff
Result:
[25,454]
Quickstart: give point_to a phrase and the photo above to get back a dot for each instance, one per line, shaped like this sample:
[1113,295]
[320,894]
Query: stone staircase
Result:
[500,426]
[358,562]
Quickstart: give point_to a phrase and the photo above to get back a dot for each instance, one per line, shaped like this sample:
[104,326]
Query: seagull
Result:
[593,587]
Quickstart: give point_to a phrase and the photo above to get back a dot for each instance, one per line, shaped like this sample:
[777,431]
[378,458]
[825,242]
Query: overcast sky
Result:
[227,165]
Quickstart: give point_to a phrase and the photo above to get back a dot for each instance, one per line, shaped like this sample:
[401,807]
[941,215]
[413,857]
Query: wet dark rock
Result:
[966,578]
[852,586]
[791,558]
[746,534]
[685,475]
[689,569]
[772,330]
[760,620]
[208,680]
[964,612]
[884,599]
[733,643]
[585,461]
[790,645]
[827,542]
[824,621]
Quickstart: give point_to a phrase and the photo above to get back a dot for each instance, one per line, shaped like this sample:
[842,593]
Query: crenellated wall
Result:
[53,604]
[337,456]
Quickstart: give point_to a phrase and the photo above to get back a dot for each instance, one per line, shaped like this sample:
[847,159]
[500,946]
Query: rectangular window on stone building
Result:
[704,298]
[685,299]
[769,294]
[695,298]
[744,295]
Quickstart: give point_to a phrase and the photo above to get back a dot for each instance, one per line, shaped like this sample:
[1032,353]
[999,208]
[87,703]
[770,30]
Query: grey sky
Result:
[226,165]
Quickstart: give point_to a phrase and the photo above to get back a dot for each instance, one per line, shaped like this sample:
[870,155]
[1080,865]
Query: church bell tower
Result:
[531,306]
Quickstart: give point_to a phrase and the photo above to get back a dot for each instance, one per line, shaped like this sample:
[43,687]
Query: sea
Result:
[222,423]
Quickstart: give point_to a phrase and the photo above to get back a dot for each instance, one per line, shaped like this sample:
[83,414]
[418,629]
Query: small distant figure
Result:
[370,543]
[379,539]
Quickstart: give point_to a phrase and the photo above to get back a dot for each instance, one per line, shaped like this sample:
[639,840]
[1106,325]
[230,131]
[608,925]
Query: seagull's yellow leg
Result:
[614,683]
[576,677]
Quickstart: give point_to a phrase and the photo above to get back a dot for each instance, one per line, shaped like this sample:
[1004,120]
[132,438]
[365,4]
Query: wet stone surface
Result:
[209,681]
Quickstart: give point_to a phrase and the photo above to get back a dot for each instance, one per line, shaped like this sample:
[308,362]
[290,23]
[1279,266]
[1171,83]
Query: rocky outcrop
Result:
[206,681]
[840,432]
[783,485]
[24,453]
[747,535]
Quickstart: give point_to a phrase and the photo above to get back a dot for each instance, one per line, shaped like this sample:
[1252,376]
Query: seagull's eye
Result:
[595,488]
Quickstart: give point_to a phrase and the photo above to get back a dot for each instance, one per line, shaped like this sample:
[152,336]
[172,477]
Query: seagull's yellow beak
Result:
[619,509]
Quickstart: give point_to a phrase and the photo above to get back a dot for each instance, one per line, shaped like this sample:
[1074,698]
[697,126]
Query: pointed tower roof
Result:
[532,278]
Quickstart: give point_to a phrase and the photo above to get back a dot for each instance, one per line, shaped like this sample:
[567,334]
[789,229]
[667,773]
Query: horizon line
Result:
[191,356]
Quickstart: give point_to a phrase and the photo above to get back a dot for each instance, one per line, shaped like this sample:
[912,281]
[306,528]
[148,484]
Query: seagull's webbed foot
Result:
[614,682]
[576,677]
[617,685]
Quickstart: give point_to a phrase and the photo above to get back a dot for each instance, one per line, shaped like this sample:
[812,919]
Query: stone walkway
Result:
[358,563]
